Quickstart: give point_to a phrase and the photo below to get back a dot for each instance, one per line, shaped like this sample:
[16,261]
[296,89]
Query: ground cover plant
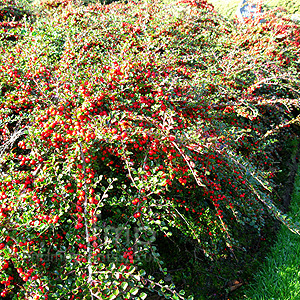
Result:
[131,126]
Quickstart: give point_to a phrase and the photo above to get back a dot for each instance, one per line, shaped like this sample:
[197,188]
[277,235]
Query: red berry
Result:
[137,215]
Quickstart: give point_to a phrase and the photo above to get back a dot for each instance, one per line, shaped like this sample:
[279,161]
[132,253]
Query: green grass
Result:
[279,277]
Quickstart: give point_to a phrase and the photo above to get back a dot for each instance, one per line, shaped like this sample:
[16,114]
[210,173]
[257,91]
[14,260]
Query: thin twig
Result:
[85,218]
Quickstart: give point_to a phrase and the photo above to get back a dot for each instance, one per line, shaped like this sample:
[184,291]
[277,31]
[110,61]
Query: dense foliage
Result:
[129,124]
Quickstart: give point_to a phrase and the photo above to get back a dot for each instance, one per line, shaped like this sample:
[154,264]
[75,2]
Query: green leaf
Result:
[122,268]
[116,292]
[124,285]
[64,277]
[137,277]
[111,266]
[134,291]
[131,270]
[152,238]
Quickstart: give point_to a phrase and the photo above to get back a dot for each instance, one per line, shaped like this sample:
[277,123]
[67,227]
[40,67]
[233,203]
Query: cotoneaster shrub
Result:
[125,123]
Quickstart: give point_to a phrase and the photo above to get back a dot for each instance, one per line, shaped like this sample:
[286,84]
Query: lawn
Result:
[278,277]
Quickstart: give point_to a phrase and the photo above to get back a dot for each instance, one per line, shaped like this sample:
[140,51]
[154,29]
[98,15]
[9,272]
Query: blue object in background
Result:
[247,10]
